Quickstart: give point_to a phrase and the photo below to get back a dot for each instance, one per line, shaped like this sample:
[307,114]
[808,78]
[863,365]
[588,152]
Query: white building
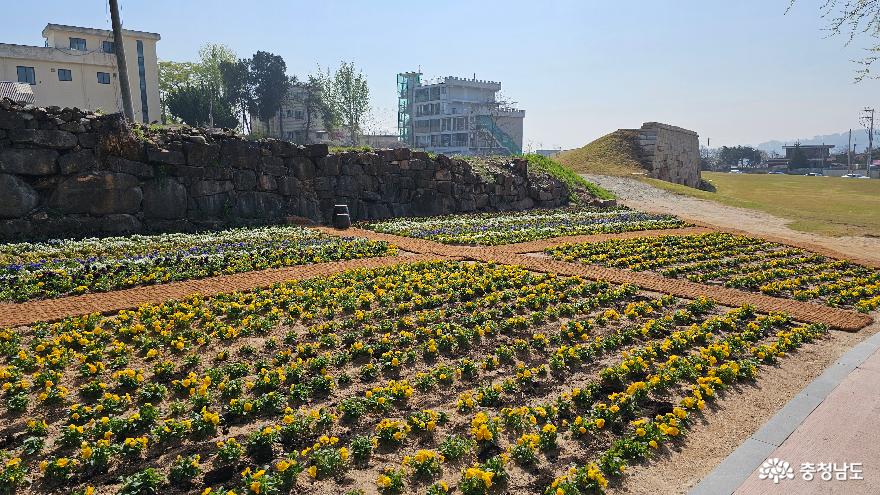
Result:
[292,121]
[77,68]
[457,116]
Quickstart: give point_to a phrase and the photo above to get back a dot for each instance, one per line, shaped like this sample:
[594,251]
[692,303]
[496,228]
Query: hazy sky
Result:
[739,72]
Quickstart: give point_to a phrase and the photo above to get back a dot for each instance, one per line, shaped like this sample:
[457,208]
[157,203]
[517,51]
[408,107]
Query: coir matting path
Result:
[12,314]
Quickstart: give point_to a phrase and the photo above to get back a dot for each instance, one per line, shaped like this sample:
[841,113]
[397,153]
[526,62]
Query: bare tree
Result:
[851,18]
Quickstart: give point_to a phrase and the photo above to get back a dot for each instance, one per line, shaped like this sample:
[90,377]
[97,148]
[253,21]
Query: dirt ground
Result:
[736,417]
[638,195]
[742,411]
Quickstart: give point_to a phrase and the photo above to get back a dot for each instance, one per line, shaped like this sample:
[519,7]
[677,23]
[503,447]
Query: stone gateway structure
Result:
[672,153]
[67,172]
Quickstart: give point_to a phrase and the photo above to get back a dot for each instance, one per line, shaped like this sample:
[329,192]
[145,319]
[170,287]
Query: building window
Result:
[103,78]
[77,44]
[26,75]
[289,113]
[142,75]
[65,75]
[108,47]
[298,115]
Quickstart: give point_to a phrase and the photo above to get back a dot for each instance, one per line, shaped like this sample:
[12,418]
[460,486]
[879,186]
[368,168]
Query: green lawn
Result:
[825,205]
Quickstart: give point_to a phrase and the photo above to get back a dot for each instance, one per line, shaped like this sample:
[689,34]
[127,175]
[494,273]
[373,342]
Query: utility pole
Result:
[868,121]
[118,44]
[708,140]
[849,153]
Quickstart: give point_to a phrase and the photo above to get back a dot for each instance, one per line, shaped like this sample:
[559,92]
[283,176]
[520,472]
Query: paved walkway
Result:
[831,421]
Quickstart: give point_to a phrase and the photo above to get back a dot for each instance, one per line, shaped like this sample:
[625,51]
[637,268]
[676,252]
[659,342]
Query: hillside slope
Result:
[617,153]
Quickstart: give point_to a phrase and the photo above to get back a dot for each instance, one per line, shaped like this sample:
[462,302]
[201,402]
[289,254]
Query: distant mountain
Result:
[860,139]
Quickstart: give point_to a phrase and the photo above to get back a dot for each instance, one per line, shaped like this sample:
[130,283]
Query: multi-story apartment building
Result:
[291,123]
[77,68]
[459,116]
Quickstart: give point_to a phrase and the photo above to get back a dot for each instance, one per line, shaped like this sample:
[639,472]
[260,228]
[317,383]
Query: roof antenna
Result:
[475,76]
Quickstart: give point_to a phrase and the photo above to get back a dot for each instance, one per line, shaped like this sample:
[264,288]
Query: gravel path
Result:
[642,196]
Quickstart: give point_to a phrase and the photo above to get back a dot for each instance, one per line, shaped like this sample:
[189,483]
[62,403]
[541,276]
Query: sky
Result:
[738,72]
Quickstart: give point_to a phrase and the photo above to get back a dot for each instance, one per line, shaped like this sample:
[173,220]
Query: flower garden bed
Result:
[416,378]
[740,262]
[521,226]
[59,268]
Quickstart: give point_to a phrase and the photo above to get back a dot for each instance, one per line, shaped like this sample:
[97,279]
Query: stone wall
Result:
[67,172]
[670,153]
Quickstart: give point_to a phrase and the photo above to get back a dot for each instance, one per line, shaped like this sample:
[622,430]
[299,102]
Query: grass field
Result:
[616,153]
[824,205]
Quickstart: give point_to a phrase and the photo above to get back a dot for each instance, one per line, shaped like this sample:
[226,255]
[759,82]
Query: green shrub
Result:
[574,181]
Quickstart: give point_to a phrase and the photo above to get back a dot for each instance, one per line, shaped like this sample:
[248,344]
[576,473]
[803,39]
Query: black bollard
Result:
[341,218]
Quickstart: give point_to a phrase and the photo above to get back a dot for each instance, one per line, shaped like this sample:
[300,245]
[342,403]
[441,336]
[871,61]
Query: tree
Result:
[270,83]
[173,76]
[310,94]
[204,75]
[851,18]
[739,156]
[708,158]
[193,105]
[211,57]
[238,88]
[349,97]
[798,158]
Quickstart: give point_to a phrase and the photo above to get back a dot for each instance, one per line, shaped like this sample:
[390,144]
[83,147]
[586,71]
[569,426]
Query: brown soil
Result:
[641,196]
[54,309]
[739,414]
[735,417]
[14,314]
[813,313]
[542,244]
